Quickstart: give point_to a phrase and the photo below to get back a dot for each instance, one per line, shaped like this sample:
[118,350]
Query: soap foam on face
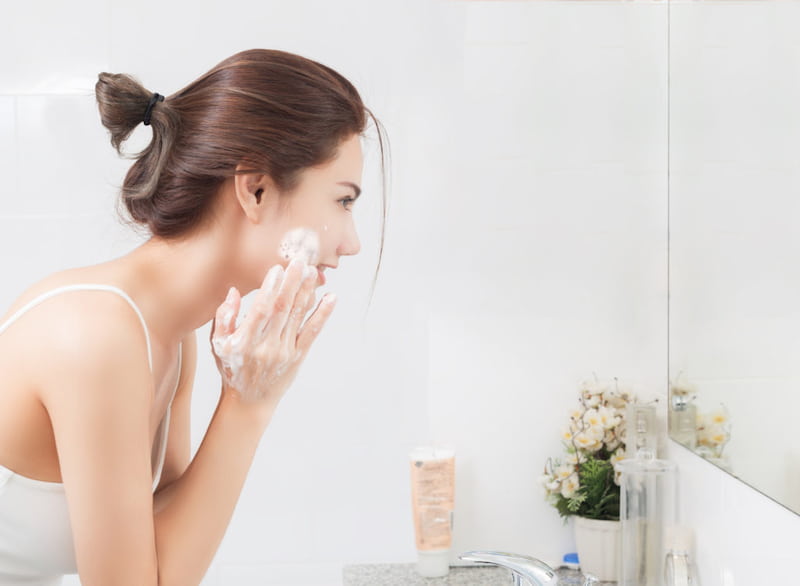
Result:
[302,244]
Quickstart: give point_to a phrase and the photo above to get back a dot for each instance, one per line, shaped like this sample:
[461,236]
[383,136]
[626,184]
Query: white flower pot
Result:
[598,545]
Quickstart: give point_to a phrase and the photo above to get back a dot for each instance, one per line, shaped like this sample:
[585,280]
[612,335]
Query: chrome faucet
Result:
[524,569]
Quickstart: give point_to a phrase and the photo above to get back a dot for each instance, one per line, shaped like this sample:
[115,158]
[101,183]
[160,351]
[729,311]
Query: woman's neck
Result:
[178,284]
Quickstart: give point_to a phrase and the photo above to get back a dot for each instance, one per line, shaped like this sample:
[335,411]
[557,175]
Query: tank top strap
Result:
[83,287]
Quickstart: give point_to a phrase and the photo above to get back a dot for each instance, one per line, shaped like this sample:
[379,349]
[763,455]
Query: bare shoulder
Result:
[52,282]
[98,391]
[91,335]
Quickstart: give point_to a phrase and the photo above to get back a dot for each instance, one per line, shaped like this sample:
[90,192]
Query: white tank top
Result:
[36,547]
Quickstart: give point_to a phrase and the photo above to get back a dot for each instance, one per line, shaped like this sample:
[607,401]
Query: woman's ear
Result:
[252,190]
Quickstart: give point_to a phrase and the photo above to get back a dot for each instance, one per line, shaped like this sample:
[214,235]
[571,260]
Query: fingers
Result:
[302,304]
[260,357]
[311,329]
[224,324]
[278,310]
[263,305]
[285,300]
[225,318]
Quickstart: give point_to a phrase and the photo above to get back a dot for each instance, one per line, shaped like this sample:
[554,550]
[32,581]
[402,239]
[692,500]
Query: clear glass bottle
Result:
[640,428]
[678,567]
[647,507]
[683,420]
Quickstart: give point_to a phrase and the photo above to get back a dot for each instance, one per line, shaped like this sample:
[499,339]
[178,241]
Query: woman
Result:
[248,183]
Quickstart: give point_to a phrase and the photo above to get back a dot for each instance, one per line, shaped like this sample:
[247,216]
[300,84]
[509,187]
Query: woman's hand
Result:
[260,358]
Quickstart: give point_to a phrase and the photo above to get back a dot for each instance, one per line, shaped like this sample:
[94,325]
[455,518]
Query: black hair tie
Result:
[155,98]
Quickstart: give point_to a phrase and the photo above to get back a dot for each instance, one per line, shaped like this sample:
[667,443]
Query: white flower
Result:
[550,483]
[713,435]
[593,400]
[609,417]
[617,456]
[563,471]
[592,418]
[618,400]
[575,458]
[597,423]
[587,440]
[597,431]
[611,440]
[718,417]
[570,486]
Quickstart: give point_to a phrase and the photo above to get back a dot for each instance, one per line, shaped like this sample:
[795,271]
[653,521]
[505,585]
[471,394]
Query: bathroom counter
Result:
[406,575]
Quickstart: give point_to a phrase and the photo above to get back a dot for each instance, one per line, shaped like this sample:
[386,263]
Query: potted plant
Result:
[584,483]
[708,433]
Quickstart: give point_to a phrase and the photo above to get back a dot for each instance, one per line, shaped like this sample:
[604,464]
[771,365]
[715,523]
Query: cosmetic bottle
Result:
[678,566]
[647,508]
[683,420]
[433,500]
[569,573]
[640,428]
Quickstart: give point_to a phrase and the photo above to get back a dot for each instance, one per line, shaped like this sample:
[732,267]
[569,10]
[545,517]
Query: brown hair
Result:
[277,112]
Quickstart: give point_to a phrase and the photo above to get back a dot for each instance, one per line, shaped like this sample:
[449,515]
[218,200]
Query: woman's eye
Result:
[347,202]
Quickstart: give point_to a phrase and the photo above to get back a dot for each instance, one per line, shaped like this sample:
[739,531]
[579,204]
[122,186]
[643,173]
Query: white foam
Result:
[300,243]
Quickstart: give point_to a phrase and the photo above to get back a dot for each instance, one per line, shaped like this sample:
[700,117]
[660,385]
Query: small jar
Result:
[569,573]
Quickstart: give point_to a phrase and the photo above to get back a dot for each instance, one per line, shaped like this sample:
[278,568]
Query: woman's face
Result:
[315,221]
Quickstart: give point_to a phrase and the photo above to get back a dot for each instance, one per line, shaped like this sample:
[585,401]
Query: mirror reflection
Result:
[734,245]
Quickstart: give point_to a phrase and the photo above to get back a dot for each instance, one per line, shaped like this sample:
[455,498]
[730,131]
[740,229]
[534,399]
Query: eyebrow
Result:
[355,187]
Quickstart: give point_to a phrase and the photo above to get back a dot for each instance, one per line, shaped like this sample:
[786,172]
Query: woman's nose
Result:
[350,244]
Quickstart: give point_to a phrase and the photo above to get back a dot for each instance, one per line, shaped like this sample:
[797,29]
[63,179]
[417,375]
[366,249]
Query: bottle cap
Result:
[571,560]
[433,564]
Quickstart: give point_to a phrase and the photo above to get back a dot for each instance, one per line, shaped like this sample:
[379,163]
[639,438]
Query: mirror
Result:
[734,246]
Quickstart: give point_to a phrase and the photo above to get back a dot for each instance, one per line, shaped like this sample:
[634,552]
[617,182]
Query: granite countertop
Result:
[406,575]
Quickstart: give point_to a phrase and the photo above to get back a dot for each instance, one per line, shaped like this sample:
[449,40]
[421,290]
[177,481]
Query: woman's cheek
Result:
[300,243]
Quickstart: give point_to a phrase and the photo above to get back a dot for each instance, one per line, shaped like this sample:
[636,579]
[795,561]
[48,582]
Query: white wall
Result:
[525,249]
[555,214]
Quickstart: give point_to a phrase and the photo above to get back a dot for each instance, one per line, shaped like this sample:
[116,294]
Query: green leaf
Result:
[598,495]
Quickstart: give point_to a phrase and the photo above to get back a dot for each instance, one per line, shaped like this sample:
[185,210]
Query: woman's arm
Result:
[99,395]
[195,511]
[98,390]
[266,351]
[177,464]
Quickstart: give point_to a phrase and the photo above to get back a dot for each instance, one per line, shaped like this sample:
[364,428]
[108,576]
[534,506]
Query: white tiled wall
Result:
[557,210]
[525,249]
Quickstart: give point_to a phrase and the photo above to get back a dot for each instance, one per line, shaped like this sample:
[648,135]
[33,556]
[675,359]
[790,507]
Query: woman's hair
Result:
[275,112]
